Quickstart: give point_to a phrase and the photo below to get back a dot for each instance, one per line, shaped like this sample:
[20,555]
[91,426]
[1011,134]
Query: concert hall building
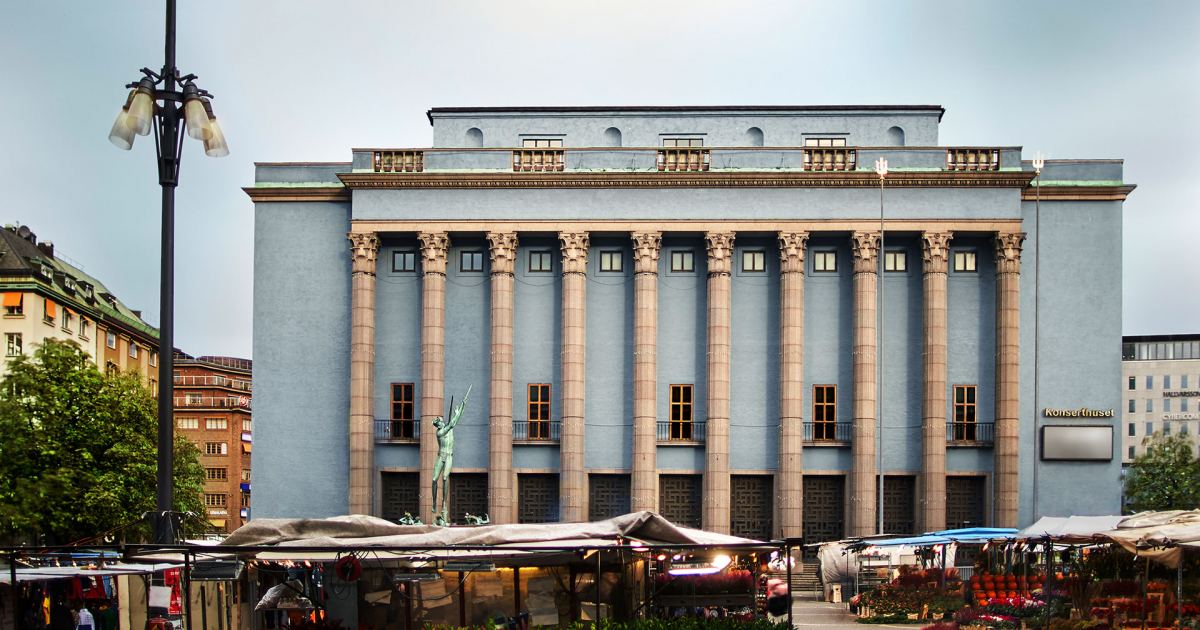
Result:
[678,309]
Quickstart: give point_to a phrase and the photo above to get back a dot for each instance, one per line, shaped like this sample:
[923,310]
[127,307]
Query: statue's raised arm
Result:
[456,412]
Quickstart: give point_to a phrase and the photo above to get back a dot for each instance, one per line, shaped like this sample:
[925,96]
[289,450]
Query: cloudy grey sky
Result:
[306,80]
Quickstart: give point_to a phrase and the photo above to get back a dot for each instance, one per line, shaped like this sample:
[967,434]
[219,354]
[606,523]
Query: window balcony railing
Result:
[828,432]
[227,402]
[973,159]
[397,430]
[681,431]
[537,430]
[970,433]
[399,161]
[539,160]
[835,159]
[212,381]
[683,159]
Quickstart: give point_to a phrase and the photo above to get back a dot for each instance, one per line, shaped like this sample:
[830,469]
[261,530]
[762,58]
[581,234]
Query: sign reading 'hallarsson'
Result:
[1077,413]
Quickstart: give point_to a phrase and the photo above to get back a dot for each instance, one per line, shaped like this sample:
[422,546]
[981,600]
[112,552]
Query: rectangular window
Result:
[1166,428]
[14,344]
[111,340]
[66,320]
[214,500]
[1132,383]
[1149,429]
[1132,430]
[540,262]
[1149,382]
[216,423]
[187,423]
[825,261]
[683,262]
[1183,404]
[153,359]
[1132,452]
[216,448]
[1132,408]
[539,411]
[1183,382]
[111,368]
[246,424]
[14,303]
[1167,405]
[681,412]
[133,350]
[824,142]
[245,499]
[193,399]
[1167,381]
[612,261]
[470,261]
[403,413]
[964,261]
[49,314]
[1183,428]
[683,142]
[964,412]
[245,474]
[824,412]
[213,474]
[895,261]
[84,327]
[404,261]
[1149,405]
[548,143]
[153,387]
[754,262]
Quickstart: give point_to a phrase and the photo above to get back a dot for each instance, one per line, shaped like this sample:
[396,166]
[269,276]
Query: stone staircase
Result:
[806,581]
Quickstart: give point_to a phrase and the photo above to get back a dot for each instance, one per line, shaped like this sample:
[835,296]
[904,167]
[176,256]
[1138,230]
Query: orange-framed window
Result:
[539,411]
[681,412]
[824,412]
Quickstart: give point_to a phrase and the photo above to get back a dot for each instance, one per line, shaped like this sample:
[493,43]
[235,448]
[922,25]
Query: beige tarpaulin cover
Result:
[1073,529]
[1159,536]
[361,531]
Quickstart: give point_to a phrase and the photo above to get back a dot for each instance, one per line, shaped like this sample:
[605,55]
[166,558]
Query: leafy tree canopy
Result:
[1166,476]
[78,450]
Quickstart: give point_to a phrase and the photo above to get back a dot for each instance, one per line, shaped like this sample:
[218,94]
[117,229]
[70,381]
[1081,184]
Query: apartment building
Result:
[1160,383]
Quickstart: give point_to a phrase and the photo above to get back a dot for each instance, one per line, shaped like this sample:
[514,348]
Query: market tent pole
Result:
[203,605]
[408,597]
[517,591]
[787,560]
[1145,593]
[462,598]
[12,576]
[186,579]
[1179,593]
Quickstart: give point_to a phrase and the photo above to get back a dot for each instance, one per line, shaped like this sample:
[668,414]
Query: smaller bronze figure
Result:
[445,459]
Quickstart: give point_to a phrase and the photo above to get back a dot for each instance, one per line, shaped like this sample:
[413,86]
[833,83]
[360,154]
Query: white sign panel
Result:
[1075,442]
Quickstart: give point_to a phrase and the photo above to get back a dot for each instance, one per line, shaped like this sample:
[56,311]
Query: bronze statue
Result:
[445,459]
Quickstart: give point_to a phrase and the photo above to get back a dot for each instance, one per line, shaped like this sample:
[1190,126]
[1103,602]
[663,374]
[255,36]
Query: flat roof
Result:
[1158,338]
[682,109]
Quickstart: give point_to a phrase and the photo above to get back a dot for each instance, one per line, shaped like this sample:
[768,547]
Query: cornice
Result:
[298,193]
[1078,193]
[657,179]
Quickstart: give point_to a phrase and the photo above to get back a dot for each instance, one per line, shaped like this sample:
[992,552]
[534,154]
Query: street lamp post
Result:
[154,105]
[881,167]
[1039,162]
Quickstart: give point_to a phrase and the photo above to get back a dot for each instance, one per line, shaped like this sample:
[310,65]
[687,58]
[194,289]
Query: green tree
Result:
[78,450]
[1166,476]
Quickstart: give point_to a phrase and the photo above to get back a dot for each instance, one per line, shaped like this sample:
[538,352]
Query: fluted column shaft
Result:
[716,445]
[434,247]
[933,370]
[501,508]
[644,484]
[1008,313]
[864,495]
[789,484]
[364,248]
[572,480]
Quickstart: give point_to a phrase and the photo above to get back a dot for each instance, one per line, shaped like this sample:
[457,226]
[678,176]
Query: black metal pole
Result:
[168,171]
[16,590]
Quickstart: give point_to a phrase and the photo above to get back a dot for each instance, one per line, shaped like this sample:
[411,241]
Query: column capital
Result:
[720,252]
[574,247]
[645,251]
[434,247]
[503,248]
[865,246]
[364,247]
[935,249]
[791,251]
[1008,251]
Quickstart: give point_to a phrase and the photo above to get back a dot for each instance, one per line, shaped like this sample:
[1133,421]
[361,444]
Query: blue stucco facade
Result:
[302,310]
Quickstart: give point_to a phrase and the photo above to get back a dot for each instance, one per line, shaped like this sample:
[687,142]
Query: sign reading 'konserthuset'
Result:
[1077,413]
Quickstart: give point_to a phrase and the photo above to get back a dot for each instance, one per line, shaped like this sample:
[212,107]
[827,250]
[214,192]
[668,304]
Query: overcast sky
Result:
[307,80]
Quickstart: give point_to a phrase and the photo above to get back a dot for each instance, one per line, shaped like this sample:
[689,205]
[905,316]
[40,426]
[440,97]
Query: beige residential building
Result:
[1160,377]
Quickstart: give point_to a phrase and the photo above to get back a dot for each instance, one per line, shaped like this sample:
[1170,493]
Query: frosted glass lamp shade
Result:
[141,112]
[122,134]
[215,146]
[198,126]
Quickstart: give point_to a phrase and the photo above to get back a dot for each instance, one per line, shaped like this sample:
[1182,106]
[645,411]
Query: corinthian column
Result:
[789,482]
[1008,374]
[364,248]
[644,485]
[573,484]
[862,449]
[933,393]
[500,491]
[716,445]
[434,246]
